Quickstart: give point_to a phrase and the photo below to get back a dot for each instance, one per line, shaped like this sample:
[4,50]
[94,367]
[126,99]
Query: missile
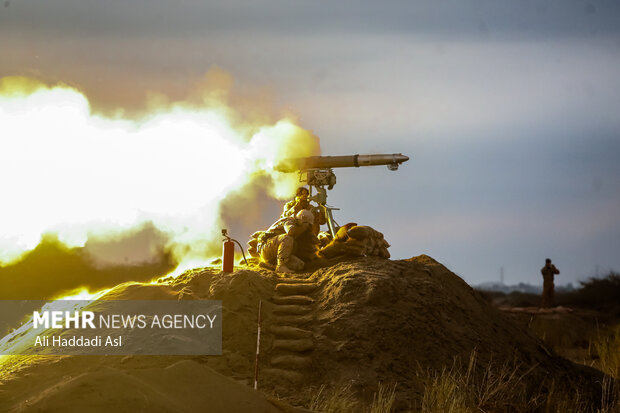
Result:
[392,160]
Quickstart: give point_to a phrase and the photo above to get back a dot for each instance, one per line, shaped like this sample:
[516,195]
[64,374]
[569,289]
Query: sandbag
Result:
[253,244]
[358,240]
[360,232]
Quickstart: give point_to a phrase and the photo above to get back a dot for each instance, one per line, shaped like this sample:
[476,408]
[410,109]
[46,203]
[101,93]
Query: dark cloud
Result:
[195,18]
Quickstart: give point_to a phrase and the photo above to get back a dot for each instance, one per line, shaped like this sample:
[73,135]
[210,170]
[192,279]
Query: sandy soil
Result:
[362,322]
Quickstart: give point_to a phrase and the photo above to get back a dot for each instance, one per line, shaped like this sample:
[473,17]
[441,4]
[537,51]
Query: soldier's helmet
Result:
[305,216]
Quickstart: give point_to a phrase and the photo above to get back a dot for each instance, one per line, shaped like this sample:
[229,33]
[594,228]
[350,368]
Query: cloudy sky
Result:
[509,110]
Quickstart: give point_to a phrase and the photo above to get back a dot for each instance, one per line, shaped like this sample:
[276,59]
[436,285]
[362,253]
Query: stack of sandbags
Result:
[253,243]
[359,240]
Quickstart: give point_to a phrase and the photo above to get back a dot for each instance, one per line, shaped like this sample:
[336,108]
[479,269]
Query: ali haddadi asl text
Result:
[81,341]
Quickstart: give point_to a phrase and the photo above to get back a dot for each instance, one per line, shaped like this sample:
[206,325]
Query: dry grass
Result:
[343,400]
[488,389]
[444,393]
[383,400]
[502,389]
[334,400]
[496,388]
[610,399]
[607,348]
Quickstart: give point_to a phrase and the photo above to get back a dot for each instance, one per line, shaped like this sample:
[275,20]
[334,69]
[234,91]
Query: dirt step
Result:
[288,375]
[291,362]
[295,289]
[290,332]
[293,299]
[297,345]
[293,320]
[291,309]
[294,280]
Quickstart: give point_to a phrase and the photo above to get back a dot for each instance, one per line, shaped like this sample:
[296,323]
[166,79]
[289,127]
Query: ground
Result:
[356,324]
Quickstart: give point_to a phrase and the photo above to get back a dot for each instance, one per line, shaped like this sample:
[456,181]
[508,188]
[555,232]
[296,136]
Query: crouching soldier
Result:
[279,241]
[301,202]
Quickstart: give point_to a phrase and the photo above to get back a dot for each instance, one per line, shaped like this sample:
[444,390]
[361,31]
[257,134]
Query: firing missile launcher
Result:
[317,173]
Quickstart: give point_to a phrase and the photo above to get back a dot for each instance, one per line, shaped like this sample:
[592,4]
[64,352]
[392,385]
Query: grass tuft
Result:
[501,388]
[343,400]
[383,400]
[607,348]
[337,400]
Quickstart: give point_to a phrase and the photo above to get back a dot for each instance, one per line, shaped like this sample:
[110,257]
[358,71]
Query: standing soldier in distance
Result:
[548,271]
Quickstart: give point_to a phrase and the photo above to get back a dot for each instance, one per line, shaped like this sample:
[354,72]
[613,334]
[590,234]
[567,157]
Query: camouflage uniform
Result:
[279,249]
[278,243]
[548,299]
[294,206]
[291,208]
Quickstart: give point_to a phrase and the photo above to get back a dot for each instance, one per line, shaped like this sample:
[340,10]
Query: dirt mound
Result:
[385,321]
[72,384]
[360,322]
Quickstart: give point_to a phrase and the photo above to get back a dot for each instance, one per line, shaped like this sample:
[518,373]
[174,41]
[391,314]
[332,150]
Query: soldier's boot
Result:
[295,263]
[283,268]
[291,265]
[266,265]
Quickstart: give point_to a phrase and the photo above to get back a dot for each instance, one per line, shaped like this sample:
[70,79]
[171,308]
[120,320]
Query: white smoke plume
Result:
[68,171]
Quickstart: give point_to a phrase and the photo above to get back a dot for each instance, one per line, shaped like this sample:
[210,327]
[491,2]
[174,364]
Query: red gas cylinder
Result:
[228,256]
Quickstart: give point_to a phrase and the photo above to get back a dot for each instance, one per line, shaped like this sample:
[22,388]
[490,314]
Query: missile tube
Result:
[347,161]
